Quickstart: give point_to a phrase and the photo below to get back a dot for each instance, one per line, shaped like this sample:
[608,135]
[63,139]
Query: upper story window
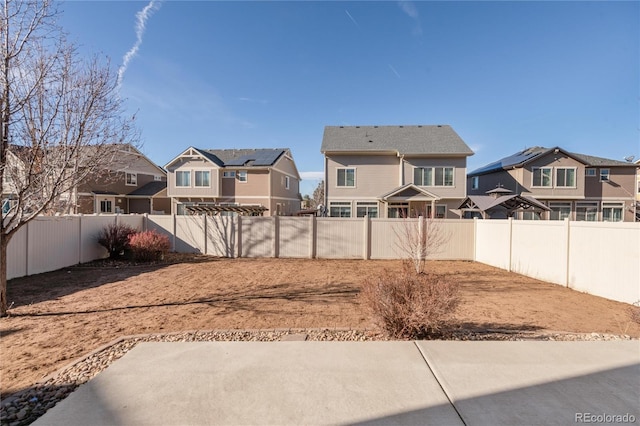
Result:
[475,182]
[203,178]
[542,177]
[242,176]
[604,175]
[433,176]
[346,177]
[229,174]
[286,182]
[157,178]
[591,172]
[566,177]
[131,179]
[183,178]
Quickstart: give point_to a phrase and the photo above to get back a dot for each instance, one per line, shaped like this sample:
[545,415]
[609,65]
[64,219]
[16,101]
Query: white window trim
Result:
[433,174]
[368,204]
[533,177]
[608,174]
[176,179]
[613,205]
[287,182]
[134,179]
[435,214]
[475,182]
[195,179]
[555,177]
[563,204]
[241,173]
[355,177]
[229,174]
[341,204]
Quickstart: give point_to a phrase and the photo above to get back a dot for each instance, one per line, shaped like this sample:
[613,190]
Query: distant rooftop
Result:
[405,140]
[244,157]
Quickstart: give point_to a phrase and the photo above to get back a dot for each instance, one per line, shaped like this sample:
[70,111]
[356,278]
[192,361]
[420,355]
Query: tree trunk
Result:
[3,275]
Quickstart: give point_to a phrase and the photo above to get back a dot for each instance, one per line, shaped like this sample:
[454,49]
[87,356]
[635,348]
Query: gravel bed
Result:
[23,408]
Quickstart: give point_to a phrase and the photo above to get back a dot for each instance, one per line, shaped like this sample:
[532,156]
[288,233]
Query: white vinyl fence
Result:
[595,257]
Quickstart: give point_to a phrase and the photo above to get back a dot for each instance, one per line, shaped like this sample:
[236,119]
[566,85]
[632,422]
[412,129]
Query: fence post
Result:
[26,248]
[145,222]
[239,235]
[475,239]
[204,227]
[366,239]
[510,242]
[312,237]
[79,238]
[276,236]
[174,231]
[567,246]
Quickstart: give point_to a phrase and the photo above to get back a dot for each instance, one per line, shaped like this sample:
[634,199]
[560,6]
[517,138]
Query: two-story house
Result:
[256,181]
[574,186]
[394,171]
[130,183]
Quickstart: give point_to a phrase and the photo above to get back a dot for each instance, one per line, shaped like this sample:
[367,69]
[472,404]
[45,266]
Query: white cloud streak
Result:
[412,12]
[394,71]
[311,175]
[141,23]
[352,18]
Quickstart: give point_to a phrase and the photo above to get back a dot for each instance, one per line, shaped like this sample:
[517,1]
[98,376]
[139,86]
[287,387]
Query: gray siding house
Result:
[572,185]
[394,171]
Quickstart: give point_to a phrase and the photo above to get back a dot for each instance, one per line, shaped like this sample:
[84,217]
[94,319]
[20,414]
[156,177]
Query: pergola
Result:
[249,210]
[500,202]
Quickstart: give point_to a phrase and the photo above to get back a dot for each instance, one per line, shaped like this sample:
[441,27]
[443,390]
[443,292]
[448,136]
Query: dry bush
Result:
[115,238]
[149,246]
[407,305]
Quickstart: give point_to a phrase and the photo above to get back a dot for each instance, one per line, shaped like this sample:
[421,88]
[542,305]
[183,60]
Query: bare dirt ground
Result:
[60,316]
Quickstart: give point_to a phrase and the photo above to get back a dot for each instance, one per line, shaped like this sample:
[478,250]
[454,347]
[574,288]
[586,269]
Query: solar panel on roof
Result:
[261,157]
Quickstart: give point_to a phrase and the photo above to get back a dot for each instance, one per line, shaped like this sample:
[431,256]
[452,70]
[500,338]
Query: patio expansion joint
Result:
[440,382]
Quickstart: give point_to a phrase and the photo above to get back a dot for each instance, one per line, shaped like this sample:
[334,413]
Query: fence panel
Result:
[604,259]
[459,241]
[257,236]
[493,243]
[539,250]
[385,237]
[190,235]
[295,236]
[222,236]
[53,243]
[340,238]
[17,256]
[162,224]
[90,227]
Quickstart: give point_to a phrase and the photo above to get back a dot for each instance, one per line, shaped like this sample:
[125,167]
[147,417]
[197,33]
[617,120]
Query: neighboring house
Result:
[574,186]
[131,184]
[394,171]
[248,181]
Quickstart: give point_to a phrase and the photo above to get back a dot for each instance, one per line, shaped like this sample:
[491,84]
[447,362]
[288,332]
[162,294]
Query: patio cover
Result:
[409,192]
[254,210]
[511,203]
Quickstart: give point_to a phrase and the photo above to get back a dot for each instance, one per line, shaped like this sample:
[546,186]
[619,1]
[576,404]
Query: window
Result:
[441,211]
[106,206]
[531,215]
[157,178]
[229,174]
[286,182]
[366,209]
[347,177]
[541,177]
[566,177]
[475,182]
[340,209]
[398,210]
[242,176]
[559,211]
[587,211]
[433,176]
[131,179]
[590,172]
[203,178]
[612,212]
[183,178]
[604,175]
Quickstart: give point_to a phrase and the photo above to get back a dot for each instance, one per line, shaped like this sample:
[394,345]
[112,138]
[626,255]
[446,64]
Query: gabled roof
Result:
[520,158]
[409,190]
[510,202]
[403,140]
[150,189]
[262,157]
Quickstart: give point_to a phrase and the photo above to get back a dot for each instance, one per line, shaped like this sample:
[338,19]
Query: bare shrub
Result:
[406,305]
[115,238]
[149,246]
[418,238]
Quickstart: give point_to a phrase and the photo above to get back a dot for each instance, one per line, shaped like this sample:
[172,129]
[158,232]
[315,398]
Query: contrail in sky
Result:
[141,22]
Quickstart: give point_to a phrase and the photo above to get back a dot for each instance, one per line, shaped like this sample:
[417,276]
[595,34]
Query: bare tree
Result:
[318,195]
[416,239]
[62,118]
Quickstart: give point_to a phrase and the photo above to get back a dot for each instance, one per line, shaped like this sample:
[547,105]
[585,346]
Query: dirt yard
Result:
[59,316]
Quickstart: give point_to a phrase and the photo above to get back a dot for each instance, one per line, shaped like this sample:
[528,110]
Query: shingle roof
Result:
[150,189]
[244,157]
[521,157]
[407,140]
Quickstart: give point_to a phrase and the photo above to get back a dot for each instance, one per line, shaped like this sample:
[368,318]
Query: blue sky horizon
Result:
[272,74]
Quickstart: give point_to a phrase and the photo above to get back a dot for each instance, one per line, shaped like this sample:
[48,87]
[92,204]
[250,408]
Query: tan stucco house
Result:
[572,185]
[247,181]
[394,171]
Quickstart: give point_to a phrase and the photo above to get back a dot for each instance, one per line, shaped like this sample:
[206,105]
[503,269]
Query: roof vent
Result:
[401,126]
[370,141]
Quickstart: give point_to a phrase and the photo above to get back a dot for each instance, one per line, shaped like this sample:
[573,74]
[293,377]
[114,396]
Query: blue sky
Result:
[505,75]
